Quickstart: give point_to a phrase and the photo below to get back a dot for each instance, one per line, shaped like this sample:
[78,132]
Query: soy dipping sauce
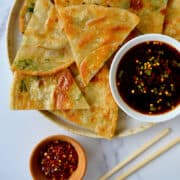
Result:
[148,77]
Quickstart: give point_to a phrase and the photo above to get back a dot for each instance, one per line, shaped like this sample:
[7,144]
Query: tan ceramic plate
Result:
[126,125]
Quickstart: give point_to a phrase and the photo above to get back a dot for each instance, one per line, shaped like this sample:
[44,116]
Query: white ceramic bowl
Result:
[112,78]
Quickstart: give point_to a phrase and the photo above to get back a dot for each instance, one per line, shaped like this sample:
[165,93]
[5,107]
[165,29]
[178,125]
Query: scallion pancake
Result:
[102,116]
[151,12]
[44,49]
[58,91]
[94,33]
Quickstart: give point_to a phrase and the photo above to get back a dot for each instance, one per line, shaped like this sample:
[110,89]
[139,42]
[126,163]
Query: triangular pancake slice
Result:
[58,91]
[102,116]
[28,8]
[45,48]
[172,19]
[151,13]
[95,32]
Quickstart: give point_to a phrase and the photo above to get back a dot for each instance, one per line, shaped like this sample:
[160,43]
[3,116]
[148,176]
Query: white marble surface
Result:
[21,131]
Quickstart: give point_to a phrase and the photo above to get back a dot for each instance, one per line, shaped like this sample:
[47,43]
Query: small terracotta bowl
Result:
[35,170]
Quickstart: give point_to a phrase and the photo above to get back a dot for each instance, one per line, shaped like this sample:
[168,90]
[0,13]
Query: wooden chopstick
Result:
[149,158]
[136,154]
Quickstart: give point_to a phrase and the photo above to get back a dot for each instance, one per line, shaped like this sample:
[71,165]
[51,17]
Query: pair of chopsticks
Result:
[140,151]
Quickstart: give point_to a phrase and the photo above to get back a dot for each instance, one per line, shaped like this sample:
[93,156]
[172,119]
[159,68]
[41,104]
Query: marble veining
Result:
[3,22]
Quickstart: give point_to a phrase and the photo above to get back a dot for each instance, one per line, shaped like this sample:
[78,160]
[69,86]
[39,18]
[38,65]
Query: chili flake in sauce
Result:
[148,77]
[58,160]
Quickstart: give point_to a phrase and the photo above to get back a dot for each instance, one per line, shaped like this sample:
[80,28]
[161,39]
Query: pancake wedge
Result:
[45,48]
[94,33]
[102,116]
[172,19]
[151,13]
[28,8]
[58,91]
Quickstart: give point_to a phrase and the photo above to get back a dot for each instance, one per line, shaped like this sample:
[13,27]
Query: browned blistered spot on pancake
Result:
[106,113]
[72,116]
[46,3]
[68,24]
[52,1]
[117,28]
[85,40]
[107,40]
[112,32]
[52,20]
[108,2]
[65,81]
[59,2]
[83,68]
[163,11]
[92,120]
[136,4]
[70,30]
[40,83]
[95,21]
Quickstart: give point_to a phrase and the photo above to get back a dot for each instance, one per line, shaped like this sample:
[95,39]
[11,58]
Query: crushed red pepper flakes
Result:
[58,160]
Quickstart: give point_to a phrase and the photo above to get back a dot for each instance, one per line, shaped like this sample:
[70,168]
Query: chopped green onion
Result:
[31,8]
[148,72]
[120,74]
[79,97]
[25,64]
[23,87]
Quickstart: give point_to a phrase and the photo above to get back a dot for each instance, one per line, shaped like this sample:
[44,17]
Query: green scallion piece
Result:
[148,72]
[120,74]
[23,87]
